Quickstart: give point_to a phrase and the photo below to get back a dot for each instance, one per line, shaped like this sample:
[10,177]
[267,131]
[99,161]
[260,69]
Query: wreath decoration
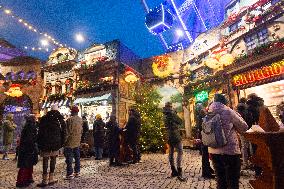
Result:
[219,58]
[162,66]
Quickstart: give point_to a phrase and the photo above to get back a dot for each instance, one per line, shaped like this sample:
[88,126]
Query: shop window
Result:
[48,89]
[10,76]
[30,75]
[20,75]
[69,86]
[58,87]
[234,26]
[274,1]
[257,39]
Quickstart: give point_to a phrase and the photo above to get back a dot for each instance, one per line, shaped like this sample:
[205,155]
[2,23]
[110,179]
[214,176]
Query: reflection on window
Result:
[234,26]
[257,39]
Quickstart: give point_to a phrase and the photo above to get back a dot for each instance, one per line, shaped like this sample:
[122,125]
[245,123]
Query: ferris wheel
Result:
[178,22]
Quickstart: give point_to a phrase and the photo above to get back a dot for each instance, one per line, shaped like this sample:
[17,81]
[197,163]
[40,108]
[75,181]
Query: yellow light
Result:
[7,11]
[30,27]
[25,24]
[20,20]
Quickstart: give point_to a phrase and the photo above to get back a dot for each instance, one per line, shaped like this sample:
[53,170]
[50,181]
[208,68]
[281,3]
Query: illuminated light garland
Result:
[38,49]
[30,27]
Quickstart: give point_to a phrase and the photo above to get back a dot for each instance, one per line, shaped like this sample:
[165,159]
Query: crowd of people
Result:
[46,137]
[229,159]
[49,134]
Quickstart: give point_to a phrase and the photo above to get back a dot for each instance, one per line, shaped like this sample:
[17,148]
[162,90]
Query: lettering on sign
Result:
[58,76]
[265,72]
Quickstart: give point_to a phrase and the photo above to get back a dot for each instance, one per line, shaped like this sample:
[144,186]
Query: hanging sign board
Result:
[262,73]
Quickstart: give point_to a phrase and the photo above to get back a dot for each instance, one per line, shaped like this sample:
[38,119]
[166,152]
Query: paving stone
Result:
[153,172]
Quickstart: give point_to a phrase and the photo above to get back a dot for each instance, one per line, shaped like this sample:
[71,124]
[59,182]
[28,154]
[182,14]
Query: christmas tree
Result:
[147,102]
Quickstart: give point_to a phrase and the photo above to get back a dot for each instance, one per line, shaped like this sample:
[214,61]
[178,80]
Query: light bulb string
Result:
[30,27]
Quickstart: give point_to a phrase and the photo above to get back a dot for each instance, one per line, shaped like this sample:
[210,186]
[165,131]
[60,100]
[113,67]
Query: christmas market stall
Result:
[164,78]
[59,80]
[259,52]
[106,79]
[213,62]
[21,88]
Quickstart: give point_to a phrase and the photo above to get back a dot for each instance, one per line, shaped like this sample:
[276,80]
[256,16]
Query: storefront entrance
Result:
[272,93]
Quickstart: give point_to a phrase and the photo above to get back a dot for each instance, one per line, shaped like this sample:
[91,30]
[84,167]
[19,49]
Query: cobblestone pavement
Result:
[152,173]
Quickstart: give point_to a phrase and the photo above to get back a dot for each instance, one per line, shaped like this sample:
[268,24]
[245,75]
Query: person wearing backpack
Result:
[226,153]
[51,137]
[172,124]
[207,171]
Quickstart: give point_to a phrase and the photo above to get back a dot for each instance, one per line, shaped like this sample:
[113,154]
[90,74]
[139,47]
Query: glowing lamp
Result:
[159,20]
[14,91]
[202,96]
[130,77]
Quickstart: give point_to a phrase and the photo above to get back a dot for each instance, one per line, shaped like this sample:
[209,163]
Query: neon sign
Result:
[265,72]
[202,96]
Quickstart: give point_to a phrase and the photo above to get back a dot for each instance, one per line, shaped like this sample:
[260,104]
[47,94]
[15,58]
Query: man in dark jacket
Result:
[113,141]
[98,133]
[85,130]
[132,133]
[172,123]
[51,137]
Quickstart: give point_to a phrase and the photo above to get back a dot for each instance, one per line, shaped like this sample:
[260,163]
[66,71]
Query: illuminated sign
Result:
[265,72]
[200,97]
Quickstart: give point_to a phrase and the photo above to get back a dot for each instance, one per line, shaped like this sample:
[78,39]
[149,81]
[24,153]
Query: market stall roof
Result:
[92,99]
[60,103]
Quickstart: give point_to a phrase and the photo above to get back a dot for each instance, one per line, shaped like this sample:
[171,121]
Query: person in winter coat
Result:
[85,130]
[132,130]
[242,109]
[72,143]
[28,153]
[254,104]
[172,124]
[8,134]
[207,171]
[51,137]
[98,133]
[226,159]
[113,141]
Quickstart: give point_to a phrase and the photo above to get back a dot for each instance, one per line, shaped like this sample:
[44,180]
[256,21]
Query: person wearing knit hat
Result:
[74,126]
[220,98]
[98,133]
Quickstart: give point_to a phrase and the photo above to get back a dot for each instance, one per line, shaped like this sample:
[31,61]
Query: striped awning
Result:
[48,104]
[92,99]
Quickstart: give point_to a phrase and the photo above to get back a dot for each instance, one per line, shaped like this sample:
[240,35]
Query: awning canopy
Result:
[60,103]
[92,99]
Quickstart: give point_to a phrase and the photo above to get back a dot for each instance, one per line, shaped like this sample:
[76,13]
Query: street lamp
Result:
[79,38]
[179,33]
[44,42]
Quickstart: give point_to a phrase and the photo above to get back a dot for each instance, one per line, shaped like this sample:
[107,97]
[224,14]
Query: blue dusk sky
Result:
[99,20]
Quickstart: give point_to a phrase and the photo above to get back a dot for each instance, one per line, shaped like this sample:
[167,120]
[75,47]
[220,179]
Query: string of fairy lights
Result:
[47,37]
